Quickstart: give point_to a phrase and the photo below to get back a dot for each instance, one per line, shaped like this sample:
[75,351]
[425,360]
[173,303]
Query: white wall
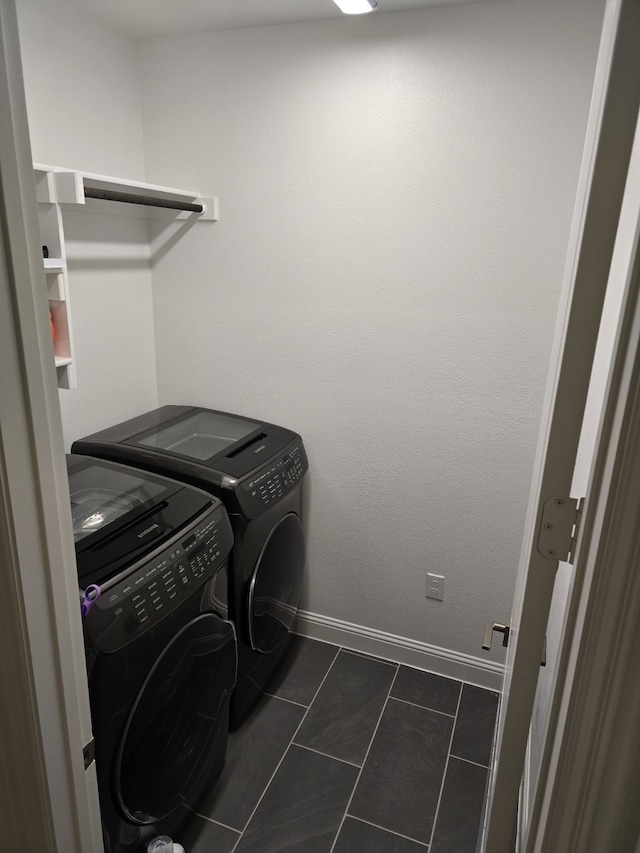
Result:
[112,306]
[83,92]
[395,196]
[83,102]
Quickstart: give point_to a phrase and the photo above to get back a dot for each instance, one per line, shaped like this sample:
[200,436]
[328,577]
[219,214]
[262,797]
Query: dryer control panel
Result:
[266,486]
[145,593]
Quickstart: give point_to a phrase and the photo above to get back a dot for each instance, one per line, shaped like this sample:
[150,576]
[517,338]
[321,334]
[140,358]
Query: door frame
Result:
[608,146]
[590,772]
[50,802]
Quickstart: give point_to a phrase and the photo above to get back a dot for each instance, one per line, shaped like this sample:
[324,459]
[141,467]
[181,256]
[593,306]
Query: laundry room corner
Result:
[383,276]
[395,200]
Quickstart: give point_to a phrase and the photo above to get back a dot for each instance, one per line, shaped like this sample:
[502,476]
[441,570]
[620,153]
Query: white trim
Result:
[41,575]
[359,638]
[610,129]
[587,795]
[25,819]
[524,801]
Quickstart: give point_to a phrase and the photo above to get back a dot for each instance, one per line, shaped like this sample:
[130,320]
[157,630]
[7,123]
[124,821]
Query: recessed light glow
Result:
[356,7]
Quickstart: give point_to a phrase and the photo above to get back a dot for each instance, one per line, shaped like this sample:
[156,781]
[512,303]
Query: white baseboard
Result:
[402,650]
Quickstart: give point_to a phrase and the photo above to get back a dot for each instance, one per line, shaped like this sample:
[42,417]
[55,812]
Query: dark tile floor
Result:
[350,753]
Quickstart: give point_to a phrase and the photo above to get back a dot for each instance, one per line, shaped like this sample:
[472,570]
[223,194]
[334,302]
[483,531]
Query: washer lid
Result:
[201,435]
[196,445]
[120,513]
[102,494]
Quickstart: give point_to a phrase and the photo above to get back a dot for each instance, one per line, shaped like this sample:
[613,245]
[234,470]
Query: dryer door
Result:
[177,726]
[276,584]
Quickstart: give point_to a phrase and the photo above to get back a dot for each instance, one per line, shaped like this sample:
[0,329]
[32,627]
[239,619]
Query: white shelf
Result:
[54,265]
[57,184]
[55,269]
[59,188]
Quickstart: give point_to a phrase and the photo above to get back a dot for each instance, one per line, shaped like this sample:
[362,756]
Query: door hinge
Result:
[89,753]
[559,528]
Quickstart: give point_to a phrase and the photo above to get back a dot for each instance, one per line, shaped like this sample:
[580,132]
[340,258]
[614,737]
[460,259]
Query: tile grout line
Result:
[266,787]
[282,699]
[390,831]
[446,767]
[368,657]
[216,822]
[424,707]
[364,760]
[468,761]
[324,754]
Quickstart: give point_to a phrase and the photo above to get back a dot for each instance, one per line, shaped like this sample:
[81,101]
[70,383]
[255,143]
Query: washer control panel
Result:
[160,583]
[273,481]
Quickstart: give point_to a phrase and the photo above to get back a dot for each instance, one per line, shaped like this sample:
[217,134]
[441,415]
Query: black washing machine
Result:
[257,470]
[161,653]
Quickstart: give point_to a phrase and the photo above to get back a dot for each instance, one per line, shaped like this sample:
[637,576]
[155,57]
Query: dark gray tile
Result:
[460,812]
[427,689]
[203,836]
[253,753]
[402,776]
[343,717]
[356,836]
[368,656]
[302,673]
[302,807]
[475,724]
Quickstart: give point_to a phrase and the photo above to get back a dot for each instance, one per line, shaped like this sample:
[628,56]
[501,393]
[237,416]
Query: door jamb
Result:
[39,607]
[590,772]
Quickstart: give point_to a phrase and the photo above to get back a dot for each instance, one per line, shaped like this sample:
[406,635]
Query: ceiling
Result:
[148,18]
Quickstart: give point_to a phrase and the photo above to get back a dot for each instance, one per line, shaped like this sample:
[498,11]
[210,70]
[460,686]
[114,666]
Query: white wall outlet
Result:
[435,586]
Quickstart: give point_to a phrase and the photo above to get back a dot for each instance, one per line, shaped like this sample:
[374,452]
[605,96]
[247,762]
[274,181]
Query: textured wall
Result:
[395,197]
[83,101]
[83,92]
[112,309]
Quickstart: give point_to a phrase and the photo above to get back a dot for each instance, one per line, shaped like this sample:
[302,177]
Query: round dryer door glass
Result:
[178,722]
[276,584]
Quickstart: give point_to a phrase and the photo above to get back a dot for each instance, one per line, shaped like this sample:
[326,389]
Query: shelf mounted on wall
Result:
[58,189]
[70,187]
[132,198]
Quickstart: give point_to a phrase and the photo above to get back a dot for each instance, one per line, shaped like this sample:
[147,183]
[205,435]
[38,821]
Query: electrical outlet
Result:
[435,586]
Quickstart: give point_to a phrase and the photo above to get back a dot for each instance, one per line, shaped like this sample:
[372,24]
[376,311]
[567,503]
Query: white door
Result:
[48,800]
[610,132]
